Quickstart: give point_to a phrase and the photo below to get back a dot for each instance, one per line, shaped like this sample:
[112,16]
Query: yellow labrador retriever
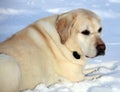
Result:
[51,50]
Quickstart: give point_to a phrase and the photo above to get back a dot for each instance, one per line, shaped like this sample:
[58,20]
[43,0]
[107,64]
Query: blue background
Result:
[17,14]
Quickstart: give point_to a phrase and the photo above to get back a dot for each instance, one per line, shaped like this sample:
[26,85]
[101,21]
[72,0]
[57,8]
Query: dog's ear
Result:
[63,26]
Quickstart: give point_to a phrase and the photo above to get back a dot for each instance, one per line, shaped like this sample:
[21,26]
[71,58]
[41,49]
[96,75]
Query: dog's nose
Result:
[100,49]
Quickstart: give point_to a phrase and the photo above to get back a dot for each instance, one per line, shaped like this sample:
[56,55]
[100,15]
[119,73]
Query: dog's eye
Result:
[85,32]
[100,29]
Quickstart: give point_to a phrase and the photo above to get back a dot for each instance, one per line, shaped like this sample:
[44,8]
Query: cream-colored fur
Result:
[43,51]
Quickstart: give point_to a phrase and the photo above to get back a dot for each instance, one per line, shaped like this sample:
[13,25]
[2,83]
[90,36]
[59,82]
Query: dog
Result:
[51,50]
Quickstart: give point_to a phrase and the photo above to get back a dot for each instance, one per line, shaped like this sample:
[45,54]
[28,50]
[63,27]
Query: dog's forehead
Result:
[87,14]
[85,19]
[95,24]
[88,22]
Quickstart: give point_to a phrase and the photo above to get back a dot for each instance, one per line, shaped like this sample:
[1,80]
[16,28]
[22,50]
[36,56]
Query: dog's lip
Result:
[94,56]
[89,57]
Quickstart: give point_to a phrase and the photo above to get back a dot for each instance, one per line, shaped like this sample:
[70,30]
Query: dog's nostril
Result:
[100,49]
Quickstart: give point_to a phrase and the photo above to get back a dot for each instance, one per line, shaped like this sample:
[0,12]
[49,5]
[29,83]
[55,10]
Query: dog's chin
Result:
[94,56]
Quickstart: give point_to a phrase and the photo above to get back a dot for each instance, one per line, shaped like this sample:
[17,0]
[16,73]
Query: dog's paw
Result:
[97,69]
[93,77]
[92,71]
[96,77]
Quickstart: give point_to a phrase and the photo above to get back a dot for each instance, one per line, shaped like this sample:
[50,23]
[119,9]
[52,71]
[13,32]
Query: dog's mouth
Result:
[98,54]
[89,57]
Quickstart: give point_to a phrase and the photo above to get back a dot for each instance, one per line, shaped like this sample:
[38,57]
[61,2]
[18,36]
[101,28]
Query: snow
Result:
[109,82]
[17,14]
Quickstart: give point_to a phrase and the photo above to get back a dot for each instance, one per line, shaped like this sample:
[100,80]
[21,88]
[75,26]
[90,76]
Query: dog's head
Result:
[81,29]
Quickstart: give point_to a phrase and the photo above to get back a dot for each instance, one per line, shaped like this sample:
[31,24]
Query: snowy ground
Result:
[109,82]
[17,14]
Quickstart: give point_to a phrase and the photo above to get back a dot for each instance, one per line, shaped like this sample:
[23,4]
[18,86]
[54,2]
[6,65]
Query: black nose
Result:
[100,49]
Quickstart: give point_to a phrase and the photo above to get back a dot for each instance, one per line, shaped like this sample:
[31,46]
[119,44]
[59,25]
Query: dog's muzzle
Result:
[100,49]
